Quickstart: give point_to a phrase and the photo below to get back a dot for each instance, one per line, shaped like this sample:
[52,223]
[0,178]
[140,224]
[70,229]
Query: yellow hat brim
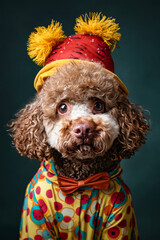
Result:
[50,68]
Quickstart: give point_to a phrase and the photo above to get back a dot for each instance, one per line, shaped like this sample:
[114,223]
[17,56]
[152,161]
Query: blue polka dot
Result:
[59,216]
[46,234]
[37,215]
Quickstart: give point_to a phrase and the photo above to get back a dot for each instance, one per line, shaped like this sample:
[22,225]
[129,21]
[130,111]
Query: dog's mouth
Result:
[84,148]
[82,151]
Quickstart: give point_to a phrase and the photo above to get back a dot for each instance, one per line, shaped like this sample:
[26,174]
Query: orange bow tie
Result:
[97,181]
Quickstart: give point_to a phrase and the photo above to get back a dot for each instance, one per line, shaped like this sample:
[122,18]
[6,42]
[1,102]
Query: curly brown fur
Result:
[79,82]
[28,132]
[134,127]
[81,169]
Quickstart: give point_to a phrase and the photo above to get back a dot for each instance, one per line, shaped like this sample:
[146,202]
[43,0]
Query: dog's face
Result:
[79,123]
[82,130]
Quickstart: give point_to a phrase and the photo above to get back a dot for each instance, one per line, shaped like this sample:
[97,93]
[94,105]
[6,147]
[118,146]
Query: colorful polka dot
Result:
[42,205]
[113,232]
[69,200]
[87,218]
[38,237]
[31,195]
[58,206]
[79,215]
[63,235]
[67,219]
[122,224]
[118,216]
[28,211]
[78,211]
[84,199]
[38,190]
[49,194]
[50,174]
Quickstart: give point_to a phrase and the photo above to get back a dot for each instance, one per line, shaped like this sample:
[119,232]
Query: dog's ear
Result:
[134,126]
[28,132]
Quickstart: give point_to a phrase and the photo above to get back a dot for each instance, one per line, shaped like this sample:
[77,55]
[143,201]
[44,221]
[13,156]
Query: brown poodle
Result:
[83,122]
[80,126]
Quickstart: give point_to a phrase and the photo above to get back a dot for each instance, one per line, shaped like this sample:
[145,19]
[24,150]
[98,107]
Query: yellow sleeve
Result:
[34,225]
[121,223]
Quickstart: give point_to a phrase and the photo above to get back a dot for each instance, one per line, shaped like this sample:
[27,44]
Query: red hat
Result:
[96,38]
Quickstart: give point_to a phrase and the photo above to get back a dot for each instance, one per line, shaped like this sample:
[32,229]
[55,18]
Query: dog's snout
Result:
[83,130]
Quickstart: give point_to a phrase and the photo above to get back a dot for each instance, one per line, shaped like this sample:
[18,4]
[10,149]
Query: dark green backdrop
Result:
[136,63]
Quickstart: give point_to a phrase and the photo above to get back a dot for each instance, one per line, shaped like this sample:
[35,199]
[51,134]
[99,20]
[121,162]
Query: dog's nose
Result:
[83,130]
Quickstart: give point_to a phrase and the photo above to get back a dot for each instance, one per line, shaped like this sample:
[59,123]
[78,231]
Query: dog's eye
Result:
[62,108]
[98,107]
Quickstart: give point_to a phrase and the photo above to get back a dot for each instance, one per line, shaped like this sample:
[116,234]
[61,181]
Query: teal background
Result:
[137,65]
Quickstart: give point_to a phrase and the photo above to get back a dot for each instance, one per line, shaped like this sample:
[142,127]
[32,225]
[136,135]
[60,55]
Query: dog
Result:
[80,125]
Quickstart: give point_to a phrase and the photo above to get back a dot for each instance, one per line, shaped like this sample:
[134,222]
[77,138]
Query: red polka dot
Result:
[38,237]
[38,190]
[128,209]
[120,198]
[113,232]
[84,199]
[31,195]
[122,224]
[69,199]
[118,216]
[37,214]
[63,236]
[66,219]
[114,197]
[78,211]
[26,228]
[57,206]
[28,211]
[42,205]
[50,174]
[87,218]
[49,194]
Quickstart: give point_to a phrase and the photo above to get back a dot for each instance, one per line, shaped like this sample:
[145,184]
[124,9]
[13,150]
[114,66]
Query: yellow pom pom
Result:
[41,43]
[98,25]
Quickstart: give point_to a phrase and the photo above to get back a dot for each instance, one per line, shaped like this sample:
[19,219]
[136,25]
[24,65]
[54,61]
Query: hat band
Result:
[50,68]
